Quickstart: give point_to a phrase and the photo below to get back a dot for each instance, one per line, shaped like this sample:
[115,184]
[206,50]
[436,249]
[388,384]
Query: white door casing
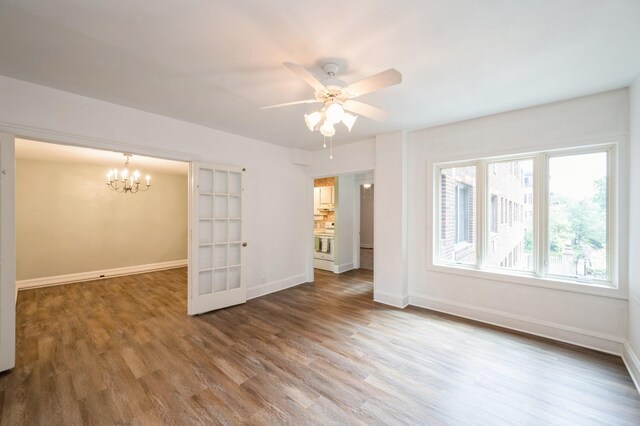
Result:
[216,262]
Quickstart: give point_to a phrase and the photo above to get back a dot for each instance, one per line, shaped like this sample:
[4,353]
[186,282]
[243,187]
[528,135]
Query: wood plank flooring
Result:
[123,350]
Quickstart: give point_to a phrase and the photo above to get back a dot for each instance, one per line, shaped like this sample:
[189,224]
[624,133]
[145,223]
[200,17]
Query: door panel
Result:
[217,261]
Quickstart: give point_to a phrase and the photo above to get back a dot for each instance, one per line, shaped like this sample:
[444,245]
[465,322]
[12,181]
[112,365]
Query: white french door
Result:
[216,265]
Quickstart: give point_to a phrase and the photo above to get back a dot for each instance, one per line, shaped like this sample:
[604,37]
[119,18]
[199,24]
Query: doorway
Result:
[337,245]
[367,193]
[196,293]
[79,218]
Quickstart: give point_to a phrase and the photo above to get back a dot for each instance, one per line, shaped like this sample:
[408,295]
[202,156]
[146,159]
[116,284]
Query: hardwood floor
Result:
[123,350]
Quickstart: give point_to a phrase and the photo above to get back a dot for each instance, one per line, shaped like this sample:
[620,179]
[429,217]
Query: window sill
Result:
[597,289]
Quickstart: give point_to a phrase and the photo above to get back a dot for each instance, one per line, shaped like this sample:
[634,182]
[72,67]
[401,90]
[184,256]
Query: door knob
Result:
[244,244]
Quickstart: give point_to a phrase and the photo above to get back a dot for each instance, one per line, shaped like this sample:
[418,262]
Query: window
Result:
[577,209]
[571,239]
[457,219]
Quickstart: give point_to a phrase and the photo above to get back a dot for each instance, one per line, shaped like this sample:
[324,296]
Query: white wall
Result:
[590,320]
[273,183]
[633,348]
[69,222]
[366,216]
[350,158]
[7,253]
[345,224]
[390,227]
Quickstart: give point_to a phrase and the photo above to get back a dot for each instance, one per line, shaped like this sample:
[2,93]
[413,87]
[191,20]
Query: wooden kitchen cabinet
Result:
[327,196]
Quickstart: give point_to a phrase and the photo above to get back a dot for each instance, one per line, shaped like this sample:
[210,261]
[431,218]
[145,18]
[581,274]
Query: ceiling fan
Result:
[338,98]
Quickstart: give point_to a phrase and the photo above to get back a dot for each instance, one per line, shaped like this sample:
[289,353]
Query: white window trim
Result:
[610,288]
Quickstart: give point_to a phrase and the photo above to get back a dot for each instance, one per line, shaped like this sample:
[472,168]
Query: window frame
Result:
[540,191]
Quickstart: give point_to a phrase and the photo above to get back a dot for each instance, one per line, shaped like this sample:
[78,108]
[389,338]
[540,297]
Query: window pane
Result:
[510,242]
[578,216]
[457,215]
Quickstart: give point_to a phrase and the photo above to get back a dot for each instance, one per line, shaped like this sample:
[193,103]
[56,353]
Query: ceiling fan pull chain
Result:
[324,145]
[330,147]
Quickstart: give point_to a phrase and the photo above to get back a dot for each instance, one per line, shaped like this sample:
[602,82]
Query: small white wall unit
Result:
[632,349]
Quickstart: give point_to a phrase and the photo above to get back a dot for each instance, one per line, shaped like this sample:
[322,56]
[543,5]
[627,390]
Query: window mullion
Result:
[541,217]
[481,213]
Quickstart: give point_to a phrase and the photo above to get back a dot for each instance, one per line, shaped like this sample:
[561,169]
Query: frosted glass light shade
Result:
[334,112]
[327,129]
[348,120]
[312,119]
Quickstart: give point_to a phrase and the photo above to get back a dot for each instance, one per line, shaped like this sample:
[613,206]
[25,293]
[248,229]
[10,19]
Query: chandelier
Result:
[125,181]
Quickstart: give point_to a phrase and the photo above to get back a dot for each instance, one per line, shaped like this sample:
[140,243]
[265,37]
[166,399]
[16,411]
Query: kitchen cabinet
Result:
[316,199]
[327,196]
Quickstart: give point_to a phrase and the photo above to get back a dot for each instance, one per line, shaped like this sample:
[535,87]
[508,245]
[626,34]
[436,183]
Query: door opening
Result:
[338,224]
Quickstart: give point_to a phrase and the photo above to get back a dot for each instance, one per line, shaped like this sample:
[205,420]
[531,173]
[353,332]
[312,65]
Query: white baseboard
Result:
[96,275]
[632,362]
[273,286]
[390,299]
[339,269]
[576,336]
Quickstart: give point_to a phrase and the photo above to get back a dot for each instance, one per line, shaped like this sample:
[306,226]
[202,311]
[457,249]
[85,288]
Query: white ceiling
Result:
[216,62]
[41,151]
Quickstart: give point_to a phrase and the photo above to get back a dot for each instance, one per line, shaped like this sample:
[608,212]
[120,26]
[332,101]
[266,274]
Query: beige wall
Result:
[67,221]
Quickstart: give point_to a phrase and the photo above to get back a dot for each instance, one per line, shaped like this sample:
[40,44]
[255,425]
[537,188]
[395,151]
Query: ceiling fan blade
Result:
[366,110]
[305,75]
[375,82]
[306,101]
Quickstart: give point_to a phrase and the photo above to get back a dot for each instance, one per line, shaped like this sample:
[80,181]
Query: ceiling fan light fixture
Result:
[348,120]
[334,112]
[312,120]
[337,98]
[327,129]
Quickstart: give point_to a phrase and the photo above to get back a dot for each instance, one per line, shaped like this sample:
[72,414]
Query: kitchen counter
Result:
[323,234]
